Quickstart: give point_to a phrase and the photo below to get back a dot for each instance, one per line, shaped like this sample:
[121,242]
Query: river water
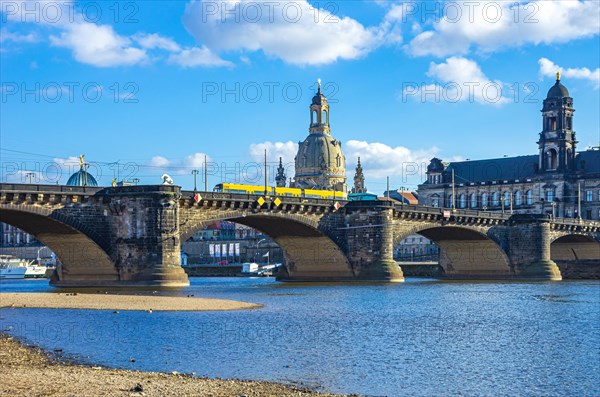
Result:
[418,338]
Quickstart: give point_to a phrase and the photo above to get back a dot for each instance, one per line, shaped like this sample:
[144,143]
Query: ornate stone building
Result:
[558,180]
[320,163]
[359,179]
[280,177]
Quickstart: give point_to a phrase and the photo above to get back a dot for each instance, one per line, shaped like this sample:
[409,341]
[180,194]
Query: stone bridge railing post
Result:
[530,247]
[370,241]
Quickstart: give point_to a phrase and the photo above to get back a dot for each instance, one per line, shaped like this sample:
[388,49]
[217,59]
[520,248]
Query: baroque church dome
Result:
[320,162]
[82,177]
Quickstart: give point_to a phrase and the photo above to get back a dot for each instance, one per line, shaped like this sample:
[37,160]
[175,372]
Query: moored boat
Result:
[15,268]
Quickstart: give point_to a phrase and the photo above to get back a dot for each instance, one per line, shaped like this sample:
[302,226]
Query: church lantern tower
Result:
[557,142]
[320,162]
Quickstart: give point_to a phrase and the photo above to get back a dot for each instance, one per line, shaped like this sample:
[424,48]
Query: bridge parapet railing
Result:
[454,213]
[85,190]
[33,188]
[254,197]
[575,222]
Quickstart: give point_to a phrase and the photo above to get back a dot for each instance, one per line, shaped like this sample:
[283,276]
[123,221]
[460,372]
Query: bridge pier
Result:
[143,225]
[146,239]
[370,241]
[530,248]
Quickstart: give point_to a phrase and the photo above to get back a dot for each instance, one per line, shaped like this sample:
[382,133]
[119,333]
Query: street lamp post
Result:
[30,175]
[260,241]
[136,181]
[39,260]
[195,172]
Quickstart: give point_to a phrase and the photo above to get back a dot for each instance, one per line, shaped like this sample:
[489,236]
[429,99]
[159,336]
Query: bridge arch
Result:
[310,252]
[577,255]
[81,251]
[465,251]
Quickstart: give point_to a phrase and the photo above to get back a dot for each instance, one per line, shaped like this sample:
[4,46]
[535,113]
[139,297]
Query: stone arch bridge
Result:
[131,236]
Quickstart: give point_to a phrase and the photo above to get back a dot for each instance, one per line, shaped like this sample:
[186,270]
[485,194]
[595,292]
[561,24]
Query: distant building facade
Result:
[558,180]
[14,237]
[416,248]
[405,197]
[320,162]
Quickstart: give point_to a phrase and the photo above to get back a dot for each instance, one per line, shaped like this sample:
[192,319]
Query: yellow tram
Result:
[237,188]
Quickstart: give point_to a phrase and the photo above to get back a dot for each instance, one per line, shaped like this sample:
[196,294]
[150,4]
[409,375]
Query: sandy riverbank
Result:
[119,302]
[29,371]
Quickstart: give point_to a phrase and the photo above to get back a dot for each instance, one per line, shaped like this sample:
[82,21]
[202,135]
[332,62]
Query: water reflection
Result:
[421,338]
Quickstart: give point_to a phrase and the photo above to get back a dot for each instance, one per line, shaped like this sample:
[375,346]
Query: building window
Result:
[495,199]
[506,199]
[450,201]
[435,201]
[589,195]
[551,124]
[569,122]
[463,201]
[518,199]
[552,158]
[568,213]
[484,200]
[473,200]
[529,197]
[549,196]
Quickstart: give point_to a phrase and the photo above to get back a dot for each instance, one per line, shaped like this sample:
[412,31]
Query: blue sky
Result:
[141,83]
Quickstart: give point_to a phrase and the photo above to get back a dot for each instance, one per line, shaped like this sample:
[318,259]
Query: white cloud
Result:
[458,79]
[549,69]
[155,40]
[23,176]
[286,150]
[293,31]
[159,161]
[380,160]
[179,166]
[491,25]
[98,45]
[194,57]
[6,35]
[196,160]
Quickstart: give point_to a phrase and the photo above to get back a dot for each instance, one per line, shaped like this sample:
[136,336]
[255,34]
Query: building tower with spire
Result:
[280,178]
[359,179]
[320,163]
[557,142]
[556,181]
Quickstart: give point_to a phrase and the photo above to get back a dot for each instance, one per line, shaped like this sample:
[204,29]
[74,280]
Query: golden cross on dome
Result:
[557,76]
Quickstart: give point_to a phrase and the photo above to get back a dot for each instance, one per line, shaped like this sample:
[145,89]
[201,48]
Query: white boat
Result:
[36,271]
[15,268]
[250,269]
